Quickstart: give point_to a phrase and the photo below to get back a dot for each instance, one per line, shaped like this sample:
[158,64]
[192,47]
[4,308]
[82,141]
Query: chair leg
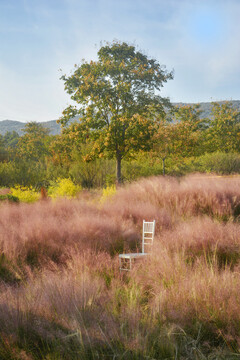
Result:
[125,264]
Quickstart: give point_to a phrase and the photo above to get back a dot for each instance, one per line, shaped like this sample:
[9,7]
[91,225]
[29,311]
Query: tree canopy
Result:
[118,101]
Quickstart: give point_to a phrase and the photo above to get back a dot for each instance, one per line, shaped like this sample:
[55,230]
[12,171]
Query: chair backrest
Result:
[148,233]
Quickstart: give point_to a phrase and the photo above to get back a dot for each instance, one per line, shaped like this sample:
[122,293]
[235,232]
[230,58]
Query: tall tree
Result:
[118,99]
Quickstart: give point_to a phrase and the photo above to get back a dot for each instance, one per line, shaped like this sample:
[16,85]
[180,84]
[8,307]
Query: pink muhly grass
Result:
[202,295]
[48,230]
[205,237]
[190,275]
[202,195]
[191,196]
[186,294]
[208,195]
[57,303]
[137,211]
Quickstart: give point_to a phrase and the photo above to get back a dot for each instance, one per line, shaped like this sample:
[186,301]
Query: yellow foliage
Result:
[25,194]
[108,192]
[63,188]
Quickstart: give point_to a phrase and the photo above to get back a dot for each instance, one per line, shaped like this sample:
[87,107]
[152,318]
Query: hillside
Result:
[13,125]
[206,107]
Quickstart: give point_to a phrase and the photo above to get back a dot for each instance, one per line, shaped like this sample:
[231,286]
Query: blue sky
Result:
[199,39]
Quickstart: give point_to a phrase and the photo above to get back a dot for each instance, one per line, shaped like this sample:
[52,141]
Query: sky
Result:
[198,39]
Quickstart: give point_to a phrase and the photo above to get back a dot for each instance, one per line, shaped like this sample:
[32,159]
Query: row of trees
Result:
[180,134]
[188,134]
[121,115]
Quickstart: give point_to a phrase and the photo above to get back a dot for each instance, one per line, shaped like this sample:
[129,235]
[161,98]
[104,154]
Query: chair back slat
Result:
[148,233]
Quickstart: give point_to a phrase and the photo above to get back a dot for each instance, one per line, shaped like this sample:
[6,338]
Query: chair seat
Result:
[132,255]
[126,261]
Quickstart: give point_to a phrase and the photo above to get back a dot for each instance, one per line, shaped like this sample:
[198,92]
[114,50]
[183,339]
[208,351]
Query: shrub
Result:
[25,173]
[217,162]
[25,194]
[93,174]
[63,188]
[142,166]
[9,197]
[108,192]
[221,163]
[7,174]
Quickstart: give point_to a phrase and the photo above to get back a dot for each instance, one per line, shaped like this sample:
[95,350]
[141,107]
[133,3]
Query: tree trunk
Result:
[118,170]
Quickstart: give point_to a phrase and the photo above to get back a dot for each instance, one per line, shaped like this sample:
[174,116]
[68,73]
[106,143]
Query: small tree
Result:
[10,140]
[117,101]
[190,127]
[180,135]
[33,145]
[224,130]
[165,142]
[3,154]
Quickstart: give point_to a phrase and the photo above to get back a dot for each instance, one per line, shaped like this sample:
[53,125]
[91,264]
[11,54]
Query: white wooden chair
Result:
[126,260]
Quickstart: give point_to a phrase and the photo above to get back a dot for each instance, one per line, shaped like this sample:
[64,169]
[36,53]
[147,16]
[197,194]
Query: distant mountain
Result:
[55,128]
[13,125]
[206,107]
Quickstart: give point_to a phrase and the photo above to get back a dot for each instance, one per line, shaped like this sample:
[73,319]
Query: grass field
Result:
[62,295]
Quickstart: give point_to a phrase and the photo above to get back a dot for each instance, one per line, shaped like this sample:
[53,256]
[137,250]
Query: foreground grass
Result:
[62,296]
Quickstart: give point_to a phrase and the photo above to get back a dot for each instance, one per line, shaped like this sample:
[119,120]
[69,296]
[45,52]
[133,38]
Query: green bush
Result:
[22,172]
[7,174]
[56,171]
[217,162]
[221,163]
[141,166]
[9,197]
[96,173]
